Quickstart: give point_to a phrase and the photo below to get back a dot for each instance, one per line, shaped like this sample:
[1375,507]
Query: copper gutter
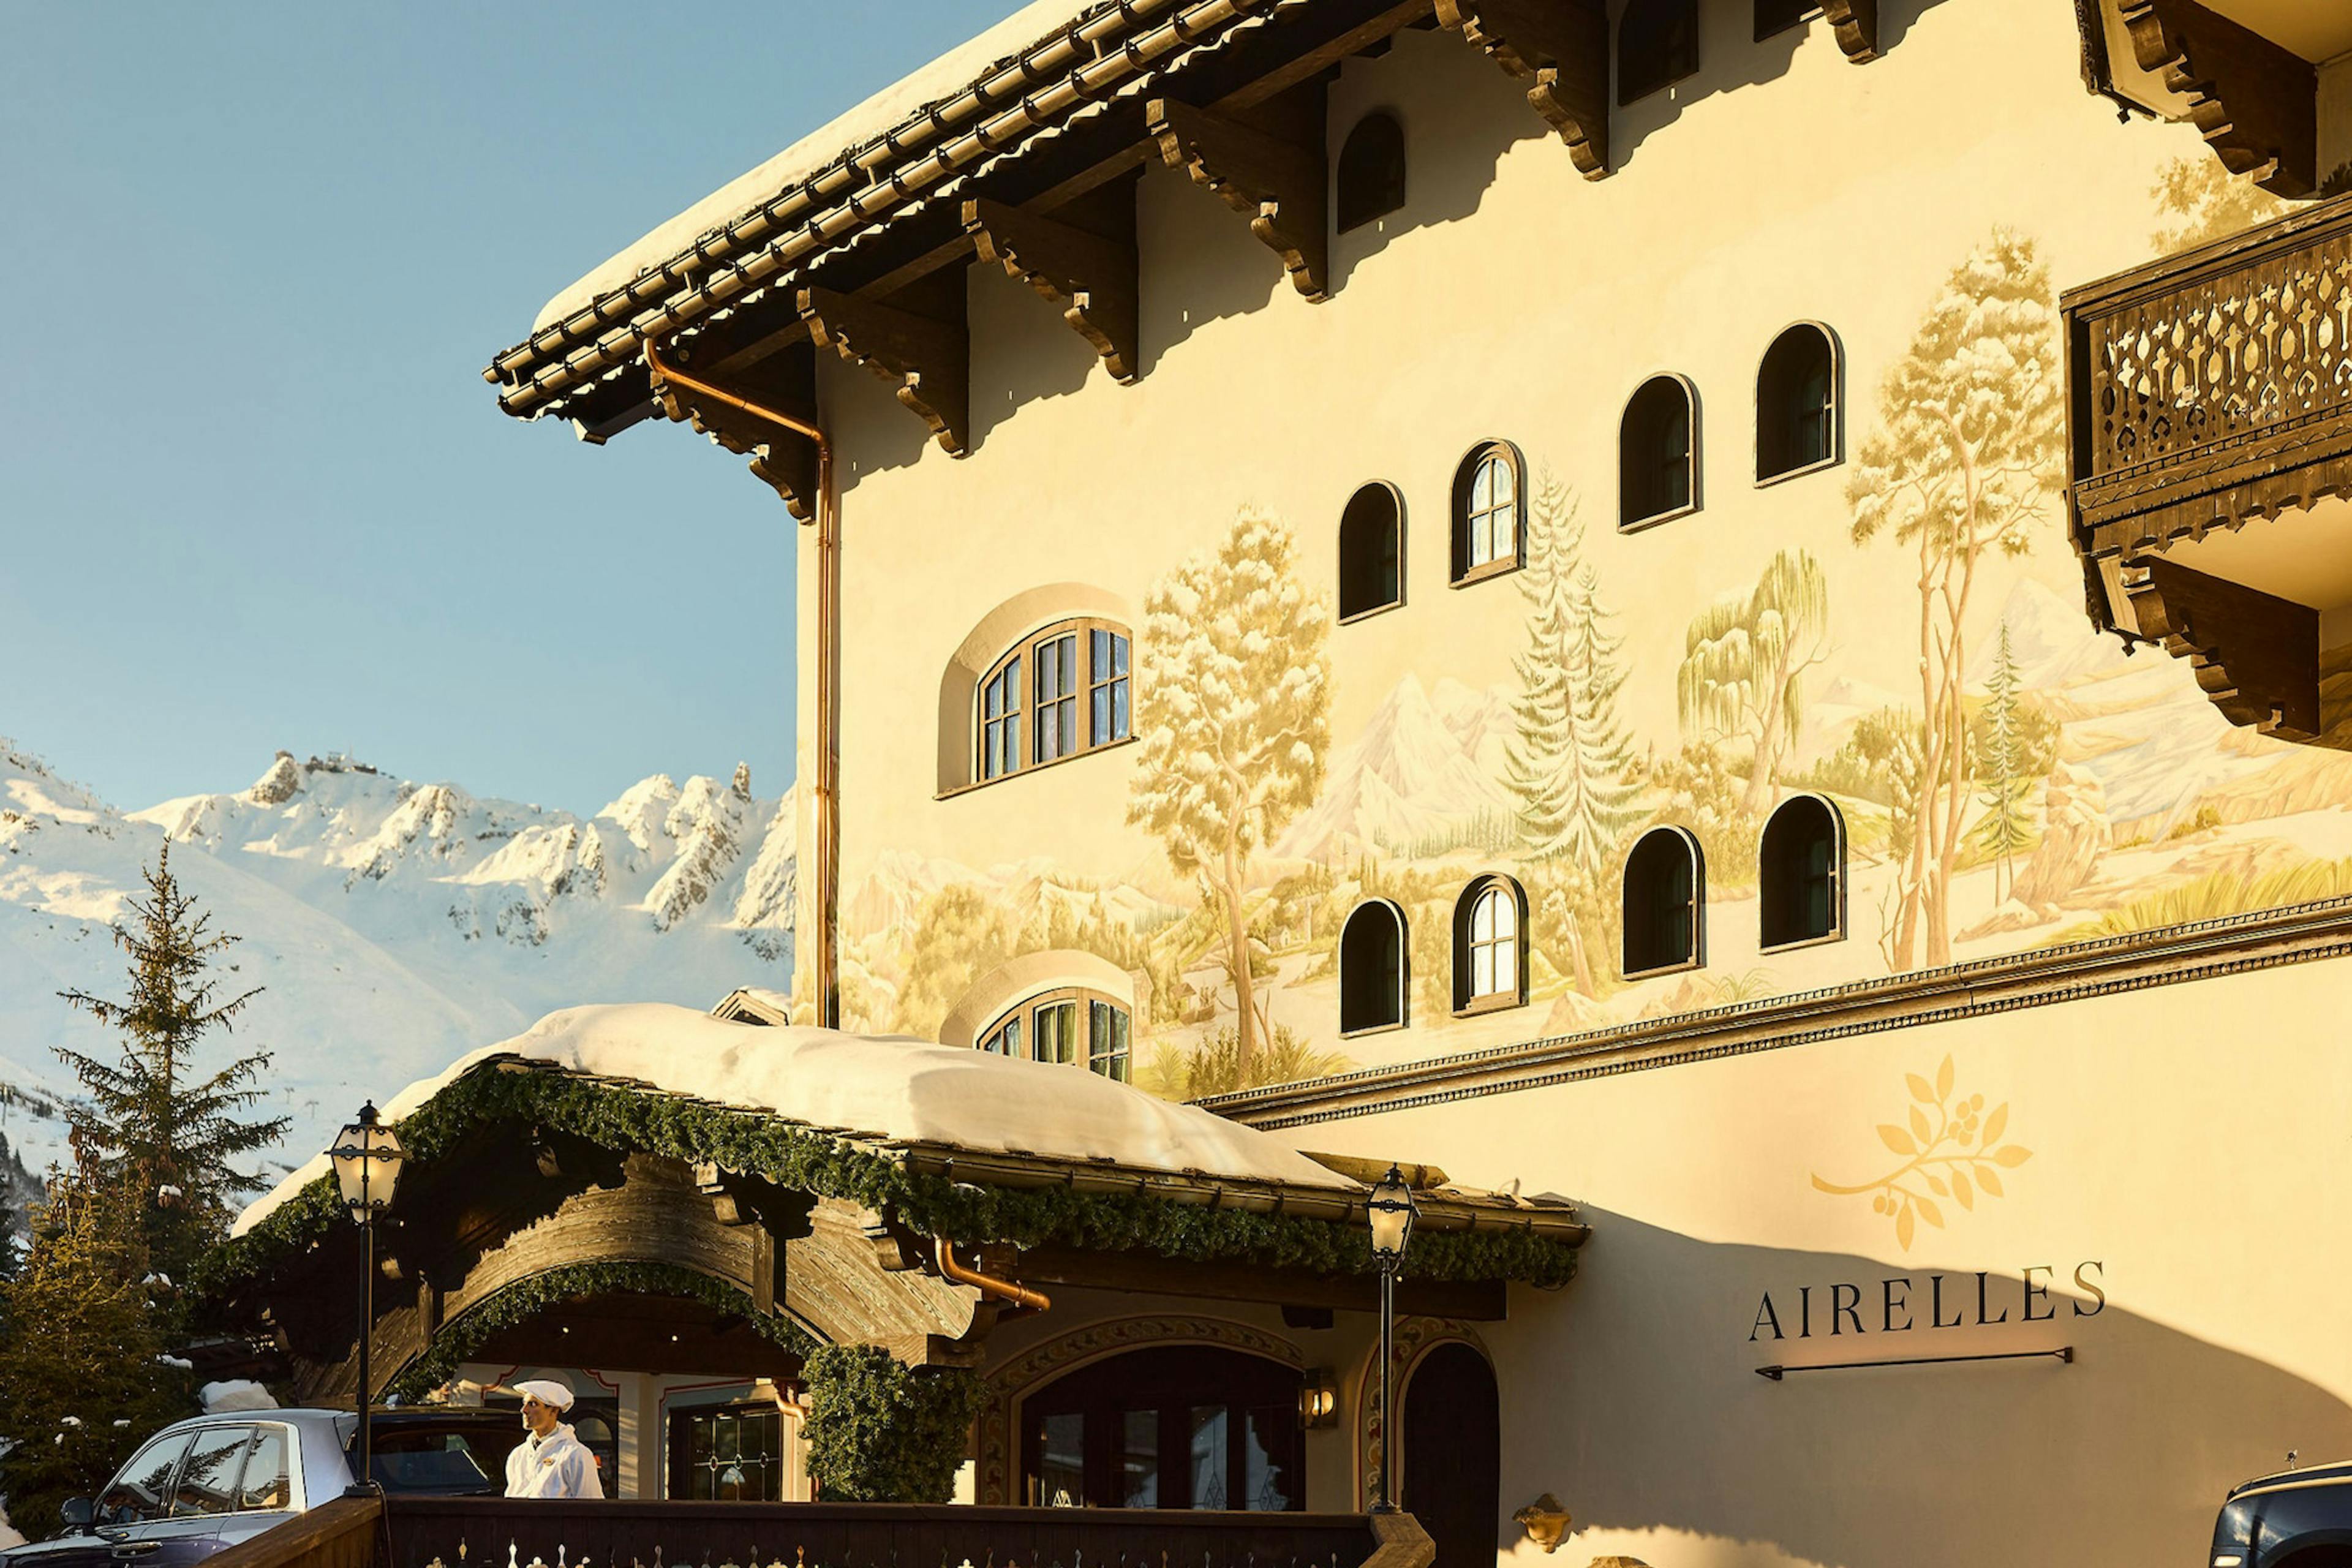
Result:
[824,803]
[989,1284]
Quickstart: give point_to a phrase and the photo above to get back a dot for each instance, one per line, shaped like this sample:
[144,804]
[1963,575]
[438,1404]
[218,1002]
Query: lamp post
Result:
[367,1160]
[1391,1211]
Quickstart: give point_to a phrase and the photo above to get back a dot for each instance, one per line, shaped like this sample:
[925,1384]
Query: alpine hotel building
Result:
[1733,612]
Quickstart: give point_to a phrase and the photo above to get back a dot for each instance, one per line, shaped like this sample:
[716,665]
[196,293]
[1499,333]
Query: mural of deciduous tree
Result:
[1232,706]
[1742,676]
[1569,760]
[1967,455]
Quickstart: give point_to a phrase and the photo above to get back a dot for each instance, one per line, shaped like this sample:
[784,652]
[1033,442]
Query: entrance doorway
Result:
[1178,1426]
[1452,1434]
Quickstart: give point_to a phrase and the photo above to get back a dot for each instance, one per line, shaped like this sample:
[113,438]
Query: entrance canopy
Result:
[801,1187]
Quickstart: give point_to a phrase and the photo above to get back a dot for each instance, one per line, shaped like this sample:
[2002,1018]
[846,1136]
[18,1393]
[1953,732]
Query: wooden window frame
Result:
[1838,889]
[1835,412]
[1460,572]
[1081,689]
[1468,1003]
[1404,967]
[676,1446]
[1394,497]
[1083,999]
[1696,958]
[1692,499]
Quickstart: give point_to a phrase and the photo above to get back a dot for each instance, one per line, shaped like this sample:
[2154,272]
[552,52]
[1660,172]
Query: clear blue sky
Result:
[254,493]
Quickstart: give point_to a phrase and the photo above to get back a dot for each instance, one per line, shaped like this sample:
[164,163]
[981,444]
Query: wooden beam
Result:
[1560,47]
[1855,23]
[1092,277]
[1282,187]
[2256,103]
[2256,656]
[782,458]
[1481,1300]
[925,360]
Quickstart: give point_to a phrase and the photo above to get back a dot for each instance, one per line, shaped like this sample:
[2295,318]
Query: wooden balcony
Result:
[2211,431]
[452,1533]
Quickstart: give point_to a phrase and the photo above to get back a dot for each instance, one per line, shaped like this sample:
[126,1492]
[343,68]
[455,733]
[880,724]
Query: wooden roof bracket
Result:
[1855,23]
[1282,187]
[1093,277]
[926,360]
[2256,104]
[669,382]
[1561,49]
[2255,656]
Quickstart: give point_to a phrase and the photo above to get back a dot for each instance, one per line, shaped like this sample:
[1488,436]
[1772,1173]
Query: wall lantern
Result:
[367,1160]
[1318,1400]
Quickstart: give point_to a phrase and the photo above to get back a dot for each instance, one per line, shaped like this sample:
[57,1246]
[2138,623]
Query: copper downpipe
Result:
[825,795]
[989,1284]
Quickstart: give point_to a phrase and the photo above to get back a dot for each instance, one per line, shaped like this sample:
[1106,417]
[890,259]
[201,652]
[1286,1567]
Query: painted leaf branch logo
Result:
[1951,1150]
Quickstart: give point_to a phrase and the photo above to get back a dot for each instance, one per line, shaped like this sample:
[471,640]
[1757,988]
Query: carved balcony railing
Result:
[2206,391]
[484,1532]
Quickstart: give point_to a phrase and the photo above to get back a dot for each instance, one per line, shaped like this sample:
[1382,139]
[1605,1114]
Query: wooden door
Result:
[1452,1463]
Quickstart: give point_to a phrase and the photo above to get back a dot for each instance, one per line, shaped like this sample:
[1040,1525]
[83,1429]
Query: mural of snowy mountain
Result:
[1426,768]
[393,925]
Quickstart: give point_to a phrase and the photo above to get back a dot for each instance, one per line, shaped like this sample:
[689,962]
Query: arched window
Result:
[1665,899]
[1657,453]
[1780,16]
[1372,949]
[1490,949]
[1371,171]
[1489,511]
[1800,868]
[1071,1026]
[1796,403]
[1371,539]
[1062,690]
[1658,45]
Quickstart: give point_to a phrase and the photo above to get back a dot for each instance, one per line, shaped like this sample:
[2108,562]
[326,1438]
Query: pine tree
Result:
[2001,763]
[81,1353]
[1570,761]
[155,1139]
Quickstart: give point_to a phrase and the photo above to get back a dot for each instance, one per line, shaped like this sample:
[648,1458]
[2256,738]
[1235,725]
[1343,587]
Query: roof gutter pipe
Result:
[989,1284]
[824,803]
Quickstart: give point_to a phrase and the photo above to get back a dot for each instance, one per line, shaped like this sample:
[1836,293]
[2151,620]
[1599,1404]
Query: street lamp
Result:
[1391,1211]
[367,1160]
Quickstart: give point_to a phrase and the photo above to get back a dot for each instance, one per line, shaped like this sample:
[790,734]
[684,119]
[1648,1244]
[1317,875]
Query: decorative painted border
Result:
[2233,944]
[1413,1340]
[1041,1363]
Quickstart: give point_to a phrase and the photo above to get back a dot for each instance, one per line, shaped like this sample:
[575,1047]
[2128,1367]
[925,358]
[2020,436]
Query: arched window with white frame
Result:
[1059,691]
[1490,949]
[1489,512]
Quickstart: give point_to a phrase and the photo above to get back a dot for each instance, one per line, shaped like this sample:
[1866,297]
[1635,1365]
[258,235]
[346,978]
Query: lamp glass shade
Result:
[367,1159]
[1390,1209]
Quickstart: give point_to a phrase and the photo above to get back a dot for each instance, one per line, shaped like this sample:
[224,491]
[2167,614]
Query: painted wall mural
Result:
[2013,782]
[1952,1152]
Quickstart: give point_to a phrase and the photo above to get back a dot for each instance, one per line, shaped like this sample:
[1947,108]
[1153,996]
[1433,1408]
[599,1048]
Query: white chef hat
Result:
[547,1392]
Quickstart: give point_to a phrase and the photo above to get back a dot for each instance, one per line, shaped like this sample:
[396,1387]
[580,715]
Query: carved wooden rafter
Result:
[1855,24]
[925,360]
[2256,656]
[1092,277]
[1561,47]
[782,458]
[1282,187]
[2256,103]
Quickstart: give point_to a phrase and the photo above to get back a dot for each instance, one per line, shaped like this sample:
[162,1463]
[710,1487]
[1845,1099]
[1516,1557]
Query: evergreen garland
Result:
[881,1432]
[525,1298]
[803,1159]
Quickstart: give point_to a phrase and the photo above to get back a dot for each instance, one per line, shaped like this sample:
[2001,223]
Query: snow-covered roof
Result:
[902,100]
[882,1089]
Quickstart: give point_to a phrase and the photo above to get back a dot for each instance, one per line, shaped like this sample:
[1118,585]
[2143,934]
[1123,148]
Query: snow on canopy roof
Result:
[885,111]
[886,1088]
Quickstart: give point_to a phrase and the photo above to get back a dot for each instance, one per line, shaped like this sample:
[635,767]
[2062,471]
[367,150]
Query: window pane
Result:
[1062,1462]
[207,1481]
[1118,720]
[1267,1480]
[1139,1460]
[1482,970]
[1106,1036]
[137,1494]
[1209,1455]
[1482,917]
[1505,482]
[1057,1028]
[265,1484]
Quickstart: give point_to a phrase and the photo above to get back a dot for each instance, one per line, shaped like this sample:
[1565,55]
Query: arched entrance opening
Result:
[1174,1426]
[1451,1464]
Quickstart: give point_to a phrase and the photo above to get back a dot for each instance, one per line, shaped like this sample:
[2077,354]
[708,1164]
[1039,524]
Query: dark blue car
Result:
[2293,1519]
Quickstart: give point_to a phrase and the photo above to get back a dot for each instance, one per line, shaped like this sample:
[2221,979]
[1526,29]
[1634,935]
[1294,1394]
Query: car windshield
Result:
[433,1459]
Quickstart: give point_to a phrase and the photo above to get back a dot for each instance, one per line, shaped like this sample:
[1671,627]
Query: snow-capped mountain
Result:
[393,925]
[1423,768]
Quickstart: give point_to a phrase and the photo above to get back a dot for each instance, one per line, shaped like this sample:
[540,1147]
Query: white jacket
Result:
[555,1465]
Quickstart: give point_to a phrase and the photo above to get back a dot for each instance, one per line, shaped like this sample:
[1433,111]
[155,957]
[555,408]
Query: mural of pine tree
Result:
[155,1136]
[1570,760]
[2001,765]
